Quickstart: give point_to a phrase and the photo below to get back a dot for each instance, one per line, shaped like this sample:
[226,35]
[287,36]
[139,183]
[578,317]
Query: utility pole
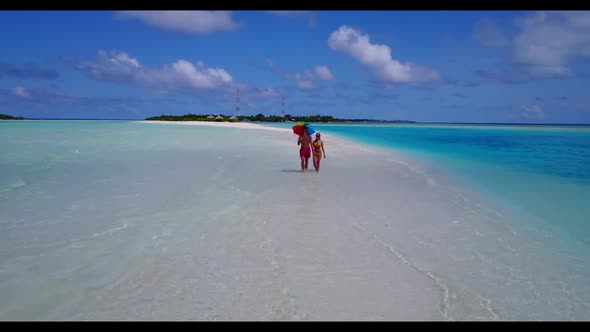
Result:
[238,103]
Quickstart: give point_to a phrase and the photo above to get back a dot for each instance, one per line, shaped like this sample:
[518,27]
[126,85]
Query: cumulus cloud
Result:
[27,71]
[181,75]
[304,80]
[194,22]
[488,34]
[531,112]
[268,93]
[324,73]
[549,41]
[20,91]
[304,85]
[378,58]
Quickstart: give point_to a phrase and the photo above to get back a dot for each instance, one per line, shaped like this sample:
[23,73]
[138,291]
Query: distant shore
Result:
[10,117]
[241,125]
[263,118]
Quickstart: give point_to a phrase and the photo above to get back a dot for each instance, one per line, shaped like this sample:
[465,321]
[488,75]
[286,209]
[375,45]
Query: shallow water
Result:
[138,221]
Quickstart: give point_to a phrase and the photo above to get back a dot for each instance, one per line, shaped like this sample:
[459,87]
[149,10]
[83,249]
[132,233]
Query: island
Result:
[10,117]
[262,118]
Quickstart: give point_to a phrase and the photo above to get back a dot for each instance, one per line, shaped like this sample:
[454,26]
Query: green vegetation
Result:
[188,117]
[10,117]
[262,118]
[289,117]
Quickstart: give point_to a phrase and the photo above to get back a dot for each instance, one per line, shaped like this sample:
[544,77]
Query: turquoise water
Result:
[542,170]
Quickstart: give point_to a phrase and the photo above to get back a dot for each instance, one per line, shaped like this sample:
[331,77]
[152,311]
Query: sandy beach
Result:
[239,125]
[375,235]
[208,221]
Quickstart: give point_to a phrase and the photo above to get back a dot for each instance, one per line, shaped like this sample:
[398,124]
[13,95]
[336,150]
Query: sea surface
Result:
[541,169]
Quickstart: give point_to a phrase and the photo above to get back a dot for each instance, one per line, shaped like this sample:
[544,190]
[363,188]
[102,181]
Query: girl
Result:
[318,149]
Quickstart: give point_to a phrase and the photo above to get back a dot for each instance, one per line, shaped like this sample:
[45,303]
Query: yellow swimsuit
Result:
[317,148]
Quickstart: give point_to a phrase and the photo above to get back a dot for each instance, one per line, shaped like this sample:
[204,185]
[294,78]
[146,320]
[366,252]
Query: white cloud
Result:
[195,22]
[306,85]
[305,79]
[378,58]
[549,41]
[324,73]
[269,93]
[20,91]
[182,74]
[531,112]
[488,34]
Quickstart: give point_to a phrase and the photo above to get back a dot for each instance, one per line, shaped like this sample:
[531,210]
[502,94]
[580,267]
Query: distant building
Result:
[219,118]
[210,117]
[233,119]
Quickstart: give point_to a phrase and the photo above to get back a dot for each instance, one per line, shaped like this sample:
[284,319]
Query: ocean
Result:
[543,170]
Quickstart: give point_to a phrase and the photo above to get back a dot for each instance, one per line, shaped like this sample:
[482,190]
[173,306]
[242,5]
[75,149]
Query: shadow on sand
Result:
[291,170]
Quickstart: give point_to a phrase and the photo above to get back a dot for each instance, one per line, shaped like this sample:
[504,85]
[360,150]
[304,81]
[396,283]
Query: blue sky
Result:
[428,66]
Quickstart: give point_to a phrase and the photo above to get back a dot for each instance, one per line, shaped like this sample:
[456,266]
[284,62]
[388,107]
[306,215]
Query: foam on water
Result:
[12,184]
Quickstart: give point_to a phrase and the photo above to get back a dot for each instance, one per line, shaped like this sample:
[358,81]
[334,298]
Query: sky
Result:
[425,66]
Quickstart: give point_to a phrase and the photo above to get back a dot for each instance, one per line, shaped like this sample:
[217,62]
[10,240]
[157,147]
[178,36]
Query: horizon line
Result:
[413,122]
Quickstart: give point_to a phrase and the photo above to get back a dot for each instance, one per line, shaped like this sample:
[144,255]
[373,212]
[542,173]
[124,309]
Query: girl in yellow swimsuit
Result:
[318,149]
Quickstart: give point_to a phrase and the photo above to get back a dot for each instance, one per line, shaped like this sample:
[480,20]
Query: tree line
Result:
[258,117]
[10,117]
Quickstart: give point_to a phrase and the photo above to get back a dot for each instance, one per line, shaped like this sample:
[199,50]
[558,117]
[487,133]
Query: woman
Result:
[318,149]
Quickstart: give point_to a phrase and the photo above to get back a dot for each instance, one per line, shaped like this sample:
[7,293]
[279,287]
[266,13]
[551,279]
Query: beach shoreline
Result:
[425,184]
[237,125]
[183,229]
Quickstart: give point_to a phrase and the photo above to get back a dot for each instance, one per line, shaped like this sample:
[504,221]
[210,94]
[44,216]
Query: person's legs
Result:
[315,161]
[307,154]
[302,157]
[318,166]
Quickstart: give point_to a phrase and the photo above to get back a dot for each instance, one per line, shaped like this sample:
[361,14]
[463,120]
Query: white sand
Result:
[203,224]
[240,125]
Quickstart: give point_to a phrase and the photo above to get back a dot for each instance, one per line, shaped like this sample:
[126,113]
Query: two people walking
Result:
[307,146]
